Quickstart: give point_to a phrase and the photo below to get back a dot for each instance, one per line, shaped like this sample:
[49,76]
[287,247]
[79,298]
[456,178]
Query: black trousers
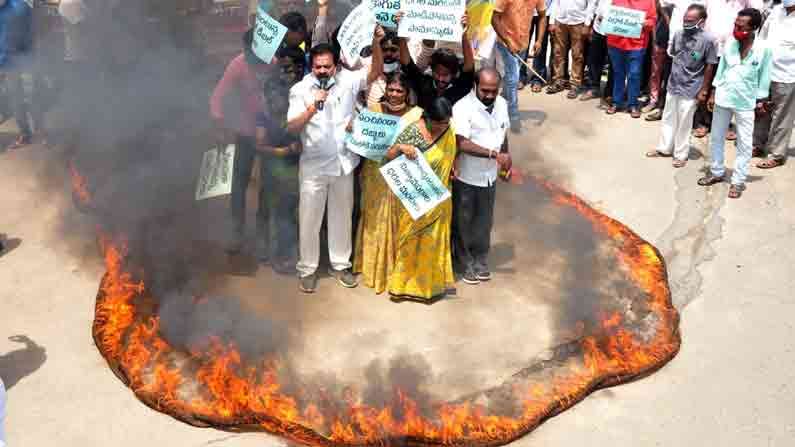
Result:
[245,154]
[597,59]
[473,217]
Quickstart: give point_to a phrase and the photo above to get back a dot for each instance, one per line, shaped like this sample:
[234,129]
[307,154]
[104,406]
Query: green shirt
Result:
[740,82]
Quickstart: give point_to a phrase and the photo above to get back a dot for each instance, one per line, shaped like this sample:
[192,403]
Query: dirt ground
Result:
[731,266]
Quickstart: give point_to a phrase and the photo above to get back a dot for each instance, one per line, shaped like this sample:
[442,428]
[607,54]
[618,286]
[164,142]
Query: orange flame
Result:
[79,185]
[216,386]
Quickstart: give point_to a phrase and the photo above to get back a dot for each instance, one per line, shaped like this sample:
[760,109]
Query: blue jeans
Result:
[510,81]
[627,71]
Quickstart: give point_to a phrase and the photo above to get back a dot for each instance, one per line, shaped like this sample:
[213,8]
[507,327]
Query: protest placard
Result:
[268,35]
[385,12]
[373,133]
[215,175]
[480,33]
[415,184]
[356,32]
[432,19]
[623,22]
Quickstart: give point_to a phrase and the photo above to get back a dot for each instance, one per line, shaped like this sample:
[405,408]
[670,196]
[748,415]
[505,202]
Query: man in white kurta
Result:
[321,106]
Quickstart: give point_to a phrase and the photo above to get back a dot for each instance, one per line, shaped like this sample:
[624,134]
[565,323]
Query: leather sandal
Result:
[770,163]
[658,154]
[735,191]
[709,180]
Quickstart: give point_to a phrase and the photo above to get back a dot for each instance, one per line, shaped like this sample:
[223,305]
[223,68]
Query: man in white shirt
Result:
[321,107]
[773,129]
[481,120]
[570,26]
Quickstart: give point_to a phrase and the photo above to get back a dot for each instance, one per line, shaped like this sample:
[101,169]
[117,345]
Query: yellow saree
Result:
[374,253]
[423,266]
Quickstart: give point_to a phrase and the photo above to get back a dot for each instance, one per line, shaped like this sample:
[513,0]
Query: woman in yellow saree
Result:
[374,251]
[423,267]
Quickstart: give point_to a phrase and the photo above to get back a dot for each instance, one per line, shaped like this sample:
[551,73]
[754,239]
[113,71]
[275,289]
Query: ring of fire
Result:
[240,397]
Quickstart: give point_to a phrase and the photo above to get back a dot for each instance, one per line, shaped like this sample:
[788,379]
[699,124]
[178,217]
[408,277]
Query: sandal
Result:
[770,163]
[700,132]
[613,109]
[536,88]
[679,163]
[588,95]
[20,142]
[554,89]
[709,180]
[735,191]
[634,112]
[731,135]
[658,154]
[572,94]
[654,116]
[758,153]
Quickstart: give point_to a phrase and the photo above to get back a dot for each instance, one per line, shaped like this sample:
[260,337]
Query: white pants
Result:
[319,193]
[721,118]
[677,120]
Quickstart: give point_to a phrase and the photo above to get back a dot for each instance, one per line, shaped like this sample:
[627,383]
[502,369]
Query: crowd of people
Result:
[723,68]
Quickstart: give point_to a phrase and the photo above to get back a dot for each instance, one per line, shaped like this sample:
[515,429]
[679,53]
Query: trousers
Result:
[774,129]
[627,70]
[245,154]
[597,59]
[721,118]
[677,120]
[510,80]
[659,61]
[332,195]
[277,216]
[473,218]
[569,37]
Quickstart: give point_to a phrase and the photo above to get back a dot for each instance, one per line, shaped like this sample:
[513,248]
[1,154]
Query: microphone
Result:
[323,86]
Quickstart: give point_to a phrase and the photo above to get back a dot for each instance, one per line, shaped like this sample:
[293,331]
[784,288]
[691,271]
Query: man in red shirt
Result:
[626,56]
[245,75]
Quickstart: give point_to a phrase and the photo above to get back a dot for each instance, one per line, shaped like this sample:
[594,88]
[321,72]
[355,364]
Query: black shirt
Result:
[426,92]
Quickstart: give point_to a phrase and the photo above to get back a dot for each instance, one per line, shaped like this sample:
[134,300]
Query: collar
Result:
[476,102]
[732,52]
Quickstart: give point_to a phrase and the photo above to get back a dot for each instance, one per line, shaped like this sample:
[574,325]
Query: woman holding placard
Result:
[374,252]
[423,268]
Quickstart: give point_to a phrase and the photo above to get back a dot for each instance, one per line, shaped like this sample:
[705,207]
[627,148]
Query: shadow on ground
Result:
[20,363]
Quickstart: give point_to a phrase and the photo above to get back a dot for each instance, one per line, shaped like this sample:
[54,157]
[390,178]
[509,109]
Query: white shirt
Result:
[472,121]
[323,136]
[572,12]
[779,35]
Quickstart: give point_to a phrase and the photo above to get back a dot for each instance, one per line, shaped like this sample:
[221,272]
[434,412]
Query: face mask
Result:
[741,35]
[690,27]
[788,3]
[391,67]
[329,82]
[394,108]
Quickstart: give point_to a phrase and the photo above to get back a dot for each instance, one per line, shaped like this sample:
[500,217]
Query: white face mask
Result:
[391,68]
[788,3]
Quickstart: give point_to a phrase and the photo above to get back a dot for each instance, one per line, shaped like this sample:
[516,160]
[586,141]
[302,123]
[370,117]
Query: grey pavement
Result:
[731,265]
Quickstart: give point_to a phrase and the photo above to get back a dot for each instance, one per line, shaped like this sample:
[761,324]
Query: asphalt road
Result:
[731,265]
